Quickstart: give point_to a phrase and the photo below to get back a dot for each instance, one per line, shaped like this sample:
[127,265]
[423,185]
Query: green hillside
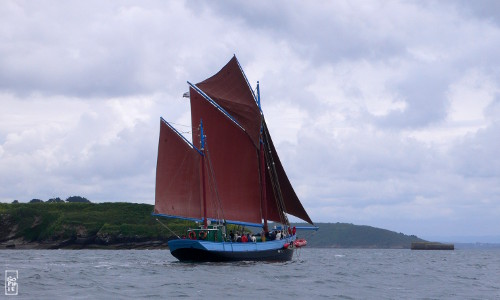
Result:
[77,225]
[343,235]
[73,225]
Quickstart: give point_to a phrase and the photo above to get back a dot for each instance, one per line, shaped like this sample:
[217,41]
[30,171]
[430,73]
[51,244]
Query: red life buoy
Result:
[192,235]
[203,235]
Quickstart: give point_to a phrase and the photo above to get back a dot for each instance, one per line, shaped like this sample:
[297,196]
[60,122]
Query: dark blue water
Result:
[313,274]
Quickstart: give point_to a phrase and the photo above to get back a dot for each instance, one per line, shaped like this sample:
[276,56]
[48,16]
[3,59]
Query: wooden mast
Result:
[262,169]
[203,191]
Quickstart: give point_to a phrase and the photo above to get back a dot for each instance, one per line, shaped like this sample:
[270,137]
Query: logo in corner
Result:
[11,284]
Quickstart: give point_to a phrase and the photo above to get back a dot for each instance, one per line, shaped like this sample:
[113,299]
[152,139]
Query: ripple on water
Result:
[314,274]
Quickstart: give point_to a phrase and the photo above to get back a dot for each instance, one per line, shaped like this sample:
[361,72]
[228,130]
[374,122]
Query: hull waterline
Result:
[197,255]
[203,251]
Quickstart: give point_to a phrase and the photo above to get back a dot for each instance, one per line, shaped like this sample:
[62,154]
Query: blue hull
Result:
[206,251]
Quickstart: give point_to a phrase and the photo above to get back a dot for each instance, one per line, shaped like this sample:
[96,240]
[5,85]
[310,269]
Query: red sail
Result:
[229,88]
[234,162]
[272,201]
[291,201]
[177,176]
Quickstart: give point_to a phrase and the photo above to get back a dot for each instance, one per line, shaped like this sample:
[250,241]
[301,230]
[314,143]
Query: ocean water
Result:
[312,274]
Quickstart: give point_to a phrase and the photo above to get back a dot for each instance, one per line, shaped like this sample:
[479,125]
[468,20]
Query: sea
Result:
[312,274]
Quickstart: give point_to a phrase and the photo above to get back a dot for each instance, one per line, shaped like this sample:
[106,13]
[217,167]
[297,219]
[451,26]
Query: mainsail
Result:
[235,128]
[232,162]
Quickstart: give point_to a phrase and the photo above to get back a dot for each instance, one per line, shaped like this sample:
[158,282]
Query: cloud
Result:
[487,10]
[383,113]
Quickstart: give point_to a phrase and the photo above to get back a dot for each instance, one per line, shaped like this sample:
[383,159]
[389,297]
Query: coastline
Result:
[20,244]
[122,225]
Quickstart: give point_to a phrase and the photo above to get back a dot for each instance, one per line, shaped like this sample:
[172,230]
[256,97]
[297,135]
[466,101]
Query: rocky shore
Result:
[82,243]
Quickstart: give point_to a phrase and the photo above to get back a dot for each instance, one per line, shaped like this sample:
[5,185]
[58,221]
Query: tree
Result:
[15,201]
[55,200]
[36,201]
[77,199]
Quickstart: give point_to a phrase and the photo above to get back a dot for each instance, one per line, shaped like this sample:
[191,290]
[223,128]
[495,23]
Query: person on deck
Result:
[278,235]
[244,239]
[231,235]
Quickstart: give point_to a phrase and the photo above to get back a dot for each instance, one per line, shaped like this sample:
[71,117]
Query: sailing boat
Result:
[229,174]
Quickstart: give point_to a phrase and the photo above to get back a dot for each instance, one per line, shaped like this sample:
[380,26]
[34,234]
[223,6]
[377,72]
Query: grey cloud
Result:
[484,9]
[478,155]
[83,51]
[326,32]
[425,93]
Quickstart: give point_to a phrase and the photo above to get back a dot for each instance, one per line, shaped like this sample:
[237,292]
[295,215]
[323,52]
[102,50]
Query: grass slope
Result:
[112,223]
[102,223]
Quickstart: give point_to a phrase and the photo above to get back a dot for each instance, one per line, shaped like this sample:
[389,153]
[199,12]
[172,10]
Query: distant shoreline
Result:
[73,245]
[123,225]
[20,244]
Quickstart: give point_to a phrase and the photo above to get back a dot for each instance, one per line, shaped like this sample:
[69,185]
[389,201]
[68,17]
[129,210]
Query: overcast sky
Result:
[384,113]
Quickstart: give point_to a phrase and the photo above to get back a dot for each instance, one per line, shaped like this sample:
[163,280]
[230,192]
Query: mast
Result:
[258,102]
[232,160]
[264,192]
[233,117]
[203,191]
[262,170]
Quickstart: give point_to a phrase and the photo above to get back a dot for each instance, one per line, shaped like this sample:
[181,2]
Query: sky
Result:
[384,113]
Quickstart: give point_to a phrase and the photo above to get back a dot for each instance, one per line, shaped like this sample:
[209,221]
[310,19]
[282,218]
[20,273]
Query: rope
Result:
[297,251]
[180,124]
[168,228]
[217,205]
[275,181]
